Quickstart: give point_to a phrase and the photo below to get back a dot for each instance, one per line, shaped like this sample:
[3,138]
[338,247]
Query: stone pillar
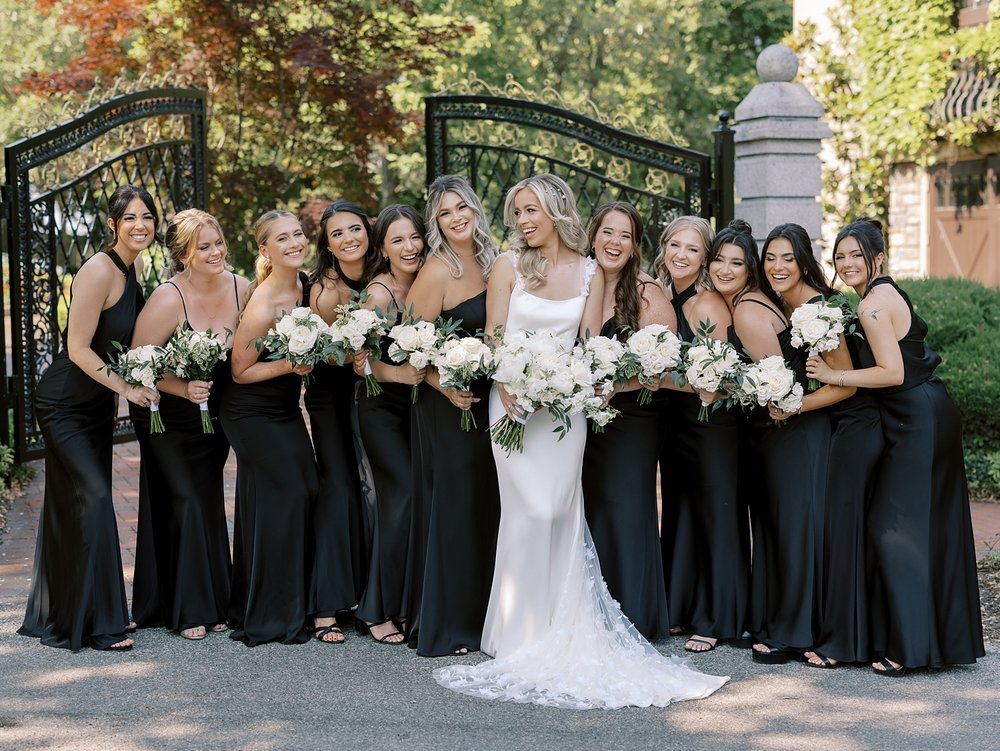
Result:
[778,137]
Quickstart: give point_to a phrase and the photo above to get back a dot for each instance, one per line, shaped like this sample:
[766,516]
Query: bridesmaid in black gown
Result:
[182,566]
[456,502]
[276,479]
[78,593]
[787,562]
[619,465]
[345,262]
[705,526]
[925,595]
[385,427]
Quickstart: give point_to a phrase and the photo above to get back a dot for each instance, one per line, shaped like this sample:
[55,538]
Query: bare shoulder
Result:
[379,295]
[435,272]
[164,300]
[710,305]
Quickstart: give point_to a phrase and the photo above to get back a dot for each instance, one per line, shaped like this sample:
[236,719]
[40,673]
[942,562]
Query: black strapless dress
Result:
[619,497]
[276,486]
[787,519]
[182,563]
[925,593]
[855,448]
[455,517]
[705,526]
[78,592]
[385,430]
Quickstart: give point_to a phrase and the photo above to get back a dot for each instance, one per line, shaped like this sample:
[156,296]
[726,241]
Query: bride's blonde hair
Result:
[559,204]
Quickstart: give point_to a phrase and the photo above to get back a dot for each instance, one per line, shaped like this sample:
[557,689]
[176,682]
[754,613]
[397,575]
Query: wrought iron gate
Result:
[54,206]
[495,141]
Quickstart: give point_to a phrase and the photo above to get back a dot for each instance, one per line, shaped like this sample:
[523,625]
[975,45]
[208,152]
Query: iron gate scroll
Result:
[496,141]
[55,205]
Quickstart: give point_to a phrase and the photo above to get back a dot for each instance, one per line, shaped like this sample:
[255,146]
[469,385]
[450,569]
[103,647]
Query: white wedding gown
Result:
[557,636]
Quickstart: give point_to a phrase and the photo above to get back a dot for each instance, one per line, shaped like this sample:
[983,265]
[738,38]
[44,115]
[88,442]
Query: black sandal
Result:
[888,669]
[320,631]
[699,640]
[773,655]
[825,663]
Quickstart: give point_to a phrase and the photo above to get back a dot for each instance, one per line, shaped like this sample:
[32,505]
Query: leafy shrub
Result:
[963,318]
[955,309]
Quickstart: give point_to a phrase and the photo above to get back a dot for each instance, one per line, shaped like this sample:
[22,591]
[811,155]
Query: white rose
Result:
[814,330]
[419,360]
[285,325]
[641,342]
[455,357]
[406,337]
[301,340]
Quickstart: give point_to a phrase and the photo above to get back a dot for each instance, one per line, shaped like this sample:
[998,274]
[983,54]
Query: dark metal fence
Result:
[496,141]
[54,211]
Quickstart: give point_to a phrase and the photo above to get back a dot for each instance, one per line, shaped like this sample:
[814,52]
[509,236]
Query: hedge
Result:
[963,320]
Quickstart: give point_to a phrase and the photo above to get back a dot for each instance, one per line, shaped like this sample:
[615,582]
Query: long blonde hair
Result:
[681,223]
[558,203]
[261,231]
[485,246]
[182,236]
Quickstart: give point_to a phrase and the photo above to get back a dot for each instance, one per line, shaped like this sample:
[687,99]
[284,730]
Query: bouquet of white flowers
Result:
[141,366]
[460,361]
[539,371]
[650,353]
[770,380]
[193,354]
[355,329]
[301,337]
[818,326]
[604,356]
[711,365]
[416,342]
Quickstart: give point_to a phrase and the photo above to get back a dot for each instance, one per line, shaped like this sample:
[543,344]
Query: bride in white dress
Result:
[557,636]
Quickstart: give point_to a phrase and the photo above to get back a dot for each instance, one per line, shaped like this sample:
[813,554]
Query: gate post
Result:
[725,157]
[778,138]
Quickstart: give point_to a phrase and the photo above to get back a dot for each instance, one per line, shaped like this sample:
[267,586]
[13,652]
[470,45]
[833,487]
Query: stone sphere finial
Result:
[777,63]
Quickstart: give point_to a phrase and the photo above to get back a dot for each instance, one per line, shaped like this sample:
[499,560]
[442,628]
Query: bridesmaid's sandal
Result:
[395,636]
[816,660]
[765,654]
[700,644]
[218,628]
[321,632]
[195,633]
[131,628]
[461,651]
[678,630]
[125,645]
[886,668]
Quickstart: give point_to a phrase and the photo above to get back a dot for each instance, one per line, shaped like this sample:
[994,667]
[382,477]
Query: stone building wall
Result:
[908,221]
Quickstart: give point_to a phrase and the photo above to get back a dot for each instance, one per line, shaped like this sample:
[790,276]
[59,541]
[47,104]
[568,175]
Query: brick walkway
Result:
[17,548]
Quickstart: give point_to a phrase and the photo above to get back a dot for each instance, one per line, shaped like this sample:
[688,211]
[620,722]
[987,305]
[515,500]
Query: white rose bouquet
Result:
[415,342]
[604,356]
[193,354]
[301,337]
[817,326]
[650,353]
[460,361]
[711,365]
[355,329]
[141,366]
[770,380]
[526,365]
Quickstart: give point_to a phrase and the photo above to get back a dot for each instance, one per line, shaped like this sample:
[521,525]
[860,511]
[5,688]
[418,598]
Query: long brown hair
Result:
[628,300]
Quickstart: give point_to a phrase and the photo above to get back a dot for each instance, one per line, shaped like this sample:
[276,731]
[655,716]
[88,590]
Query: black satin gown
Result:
[787,518]
[925,592]
[339,565]
[385,430]
[276,486]
[619,498]
[182,561]
[705,525]
[336,581]
[77,595]
[855,448]
[455,516]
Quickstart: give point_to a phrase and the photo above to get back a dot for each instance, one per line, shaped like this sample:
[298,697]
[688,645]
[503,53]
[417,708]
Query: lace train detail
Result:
[591,657]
